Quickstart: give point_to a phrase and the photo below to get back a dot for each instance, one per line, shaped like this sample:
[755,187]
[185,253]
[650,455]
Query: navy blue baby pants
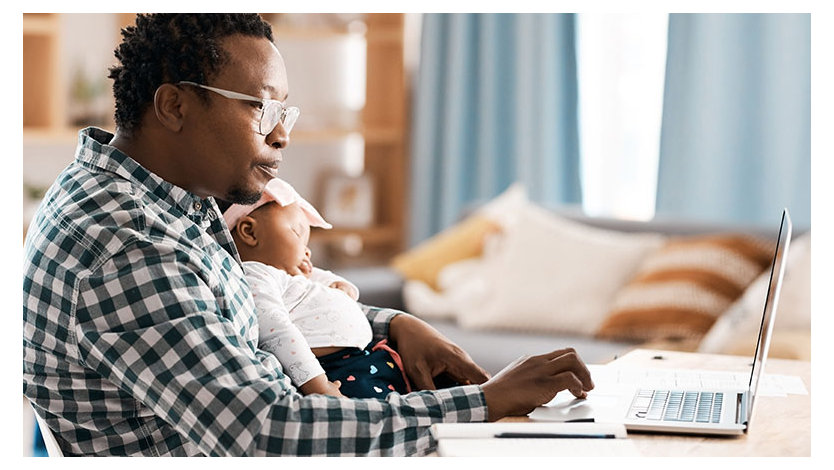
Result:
[373,372]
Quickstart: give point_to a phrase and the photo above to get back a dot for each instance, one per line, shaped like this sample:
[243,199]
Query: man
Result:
[140,335]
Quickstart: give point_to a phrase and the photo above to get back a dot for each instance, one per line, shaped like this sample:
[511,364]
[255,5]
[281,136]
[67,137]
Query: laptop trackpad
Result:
[599,407]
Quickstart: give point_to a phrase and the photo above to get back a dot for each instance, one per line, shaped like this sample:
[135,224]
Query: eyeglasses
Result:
[272,111]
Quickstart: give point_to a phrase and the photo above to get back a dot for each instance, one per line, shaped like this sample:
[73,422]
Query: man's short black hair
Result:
[168,48]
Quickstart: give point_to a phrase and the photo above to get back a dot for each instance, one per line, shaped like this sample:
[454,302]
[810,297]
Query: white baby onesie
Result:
[296,314]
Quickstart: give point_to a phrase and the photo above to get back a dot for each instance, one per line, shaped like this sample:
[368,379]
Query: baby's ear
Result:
[245,231]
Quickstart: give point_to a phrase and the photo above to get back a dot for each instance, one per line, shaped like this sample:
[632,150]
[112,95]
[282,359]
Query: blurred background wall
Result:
[409,120]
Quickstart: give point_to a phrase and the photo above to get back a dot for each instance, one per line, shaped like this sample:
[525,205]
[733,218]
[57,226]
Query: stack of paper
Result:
[532,439]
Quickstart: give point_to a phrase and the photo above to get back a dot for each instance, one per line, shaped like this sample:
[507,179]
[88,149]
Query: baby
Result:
[307,317]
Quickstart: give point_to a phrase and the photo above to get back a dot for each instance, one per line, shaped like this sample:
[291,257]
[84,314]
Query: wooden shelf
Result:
[384,135]
[383,122]
[375,235]
[376,135]
[392,36]
[45,24]
[312,33]
[372,136]
[384,128]
[43,100]
[59,134]
[321,135]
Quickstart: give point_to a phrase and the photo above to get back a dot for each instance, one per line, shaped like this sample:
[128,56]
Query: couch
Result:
[590,320]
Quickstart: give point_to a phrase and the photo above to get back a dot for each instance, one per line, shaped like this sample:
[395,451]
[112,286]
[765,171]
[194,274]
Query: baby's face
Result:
[285,233]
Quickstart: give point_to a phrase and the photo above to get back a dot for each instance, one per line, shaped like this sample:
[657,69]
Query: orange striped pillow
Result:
[681,289]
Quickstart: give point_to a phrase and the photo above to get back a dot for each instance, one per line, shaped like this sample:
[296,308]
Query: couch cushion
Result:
[549,274]
[495,350]
[737,329]
[464,240]
[461,241]
[379,286]
[680,290]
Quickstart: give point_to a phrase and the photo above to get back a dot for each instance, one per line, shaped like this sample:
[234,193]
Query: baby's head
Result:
[276,229]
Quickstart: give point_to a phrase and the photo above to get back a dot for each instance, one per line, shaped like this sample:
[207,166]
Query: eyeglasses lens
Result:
[275,113]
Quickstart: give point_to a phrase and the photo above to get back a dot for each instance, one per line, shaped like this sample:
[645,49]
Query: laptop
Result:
[697,411]
[714,411]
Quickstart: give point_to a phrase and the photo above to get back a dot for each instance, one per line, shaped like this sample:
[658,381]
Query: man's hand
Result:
[426,354]
[535,380]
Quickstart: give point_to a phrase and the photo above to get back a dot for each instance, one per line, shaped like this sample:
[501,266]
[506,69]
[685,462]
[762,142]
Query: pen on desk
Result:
[549,435]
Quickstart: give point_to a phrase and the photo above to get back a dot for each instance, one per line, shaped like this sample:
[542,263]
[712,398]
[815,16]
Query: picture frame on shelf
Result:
[349,201]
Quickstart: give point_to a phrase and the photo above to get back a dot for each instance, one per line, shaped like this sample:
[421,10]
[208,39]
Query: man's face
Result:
[231,160]
[284,233]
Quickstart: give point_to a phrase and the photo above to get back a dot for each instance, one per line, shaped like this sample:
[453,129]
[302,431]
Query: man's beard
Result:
[238,195]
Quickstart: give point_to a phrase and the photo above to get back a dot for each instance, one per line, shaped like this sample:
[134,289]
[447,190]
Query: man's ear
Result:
[169,106]
[247,231]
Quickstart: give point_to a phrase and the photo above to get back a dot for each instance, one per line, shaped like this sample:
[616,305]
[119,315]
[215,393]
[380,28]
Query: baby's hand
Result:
[322,386]
[332,389]
[346,288]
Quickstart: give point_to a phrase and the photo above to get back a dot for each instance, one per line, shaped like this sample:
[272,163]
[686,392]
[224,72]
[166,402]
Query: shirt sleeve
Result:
[276,332]
[150,321]
[380,319]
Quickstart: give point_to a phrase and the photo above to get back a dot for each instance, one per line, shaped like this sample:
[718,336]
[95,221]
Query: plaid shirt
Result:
[140,335]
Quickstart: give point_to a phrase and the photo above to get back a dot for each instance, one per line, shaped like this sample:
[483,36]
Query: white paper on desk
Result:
[771,385]
[780,385]
[442,431]
[537,448]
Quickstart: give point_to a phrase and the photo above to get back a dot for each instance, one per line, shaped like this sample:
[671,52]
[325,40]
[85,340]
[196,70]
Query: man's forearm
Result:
[397,426]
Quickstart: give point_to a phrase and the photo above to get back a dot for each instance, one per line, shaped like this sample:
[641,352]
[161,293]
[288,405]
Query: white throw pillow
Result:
[550,274]
[505,207]
[461,241]
[736,330]
[456,280]
[461,283]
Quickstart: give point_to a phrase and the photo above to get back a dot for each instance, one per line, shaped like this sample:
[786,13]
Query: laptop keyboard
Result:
[672,405]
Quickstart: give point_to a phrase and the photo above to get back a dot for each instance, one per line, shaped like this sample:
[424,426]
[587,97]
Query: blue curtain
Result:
[495,102]
[735,139]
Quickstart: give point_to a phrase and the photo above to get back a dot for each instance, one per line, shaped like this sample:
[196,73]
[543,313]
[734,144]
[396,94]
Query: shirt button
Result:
[198,205]
[212,215]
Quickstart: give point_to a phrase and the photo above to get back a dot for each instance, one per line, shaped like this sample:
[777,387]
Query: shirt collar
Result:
[94,150]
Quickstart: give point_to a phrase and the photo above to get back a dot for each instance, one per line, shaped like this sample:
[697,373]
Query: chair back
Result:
[52,447]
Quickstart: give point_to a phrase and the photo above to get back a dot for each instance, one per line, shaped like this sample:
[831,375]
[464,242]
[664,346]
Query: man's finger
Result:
[569,381]
[569,361]
[557,353]
[467,372]
[422,379]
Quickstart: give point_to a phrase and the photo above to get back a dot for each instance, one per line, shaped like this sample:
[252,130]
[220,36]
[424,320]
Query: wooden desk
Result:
[781,426]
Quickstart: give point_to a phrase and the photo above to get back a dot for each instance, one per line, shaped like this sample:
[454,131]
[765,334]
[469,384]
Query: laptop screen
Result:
[777,272]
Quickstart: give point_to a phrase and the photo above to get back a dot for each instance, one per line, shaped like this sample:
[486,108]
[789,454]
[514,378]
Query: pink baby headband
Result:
[281,192]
